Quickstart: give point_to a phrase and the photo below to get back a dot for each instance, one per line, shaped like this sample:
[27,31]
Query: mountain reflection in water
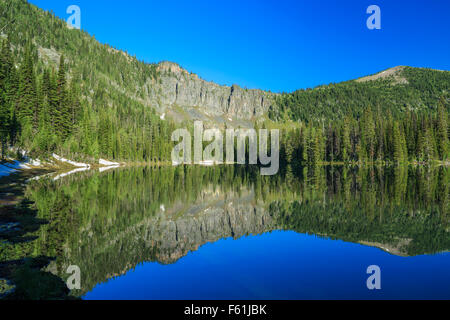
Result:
[111,222]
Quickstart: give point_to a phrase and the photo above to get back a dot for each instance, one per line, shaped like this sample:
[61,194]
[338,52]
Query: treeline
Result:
[374,137]
[45,112]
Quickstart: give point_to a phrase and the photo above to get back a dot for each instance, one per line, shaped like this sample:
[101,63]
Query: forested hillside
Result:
[62,91]
[57,93]
[375,137]
[406,89]
[399,115]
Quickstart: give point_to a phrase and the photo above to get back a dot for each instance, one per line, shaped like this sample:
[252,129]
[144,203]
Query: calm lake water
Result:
[228,233]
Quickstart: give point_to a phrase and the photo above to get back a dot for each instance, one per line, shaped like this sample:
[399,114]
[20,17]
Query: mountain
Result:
[63,91]
[184,96]
[165,86]
[181,95]
[397,90]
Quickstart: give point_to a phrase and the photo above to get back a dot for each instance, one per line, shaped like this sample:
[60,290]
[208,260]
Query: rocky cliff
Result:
[184,96]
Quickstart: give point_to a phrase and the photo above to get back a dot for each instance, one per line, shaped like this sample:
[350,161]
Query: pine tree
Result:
[46,84]
[345,137]
[398,144]
[368,134]
[62,122]
[289,146]
[4,107]
[27,90]
[319,146]
[4,123]
[53,102]
[44,137]
[442,131]
[74,100]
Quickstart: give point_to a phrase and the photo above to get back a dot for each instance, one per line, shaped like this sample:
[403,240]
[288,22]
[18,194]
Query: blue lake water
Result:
[283,265]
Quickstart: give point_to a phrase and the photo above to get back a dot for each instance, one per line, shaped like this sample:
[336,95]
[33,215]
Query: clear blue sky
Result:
[273,45]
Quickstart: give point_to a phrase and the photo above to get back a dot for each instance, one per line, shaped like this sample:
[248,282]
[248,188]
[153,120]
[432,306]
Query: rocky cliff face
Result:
[185,96]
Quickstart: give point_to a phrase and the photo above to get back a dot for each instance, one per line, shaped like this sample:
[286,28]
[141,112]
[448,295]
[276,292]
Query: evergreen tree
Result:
[368,134]
[442,131]
[398,137]
[4,107]
[27,90]
[346,144]
[62,119]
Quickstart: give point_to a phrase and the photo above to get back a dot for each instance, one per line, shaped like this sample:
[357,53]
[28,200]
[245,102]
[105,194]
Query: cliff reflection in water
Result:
[107,223]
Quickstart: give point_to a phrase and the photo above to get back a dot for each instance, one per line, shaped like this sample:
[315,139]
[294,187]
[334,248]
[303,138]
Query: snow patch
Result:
[75,164]
[36,163]
[108,163]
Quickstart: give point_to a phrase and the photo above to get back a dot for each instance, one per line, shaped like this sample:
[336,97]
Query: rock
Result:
[176,87]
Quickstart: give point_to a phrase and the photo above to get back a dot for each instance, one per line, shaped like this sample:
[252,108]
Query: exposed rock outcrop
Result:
[176,88]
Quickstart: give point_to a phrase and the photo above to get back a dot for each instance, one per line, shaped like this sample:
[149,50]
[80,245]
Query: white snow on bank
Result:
[108,163]
[27,159]
[75,164]
[36,163]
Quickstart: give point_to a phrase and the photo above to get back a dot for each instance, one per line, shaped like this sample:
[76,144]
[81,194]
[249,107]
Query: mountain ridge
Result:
[99,102]
[172,91]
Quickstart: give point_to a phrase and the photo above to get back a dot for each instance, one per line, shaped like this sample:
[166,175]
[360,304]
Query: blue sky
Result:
[273,45]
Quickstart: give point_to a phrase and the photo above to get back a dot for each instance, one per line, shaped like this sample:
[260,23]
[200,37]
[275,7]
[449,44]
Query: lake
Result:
[226,232]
